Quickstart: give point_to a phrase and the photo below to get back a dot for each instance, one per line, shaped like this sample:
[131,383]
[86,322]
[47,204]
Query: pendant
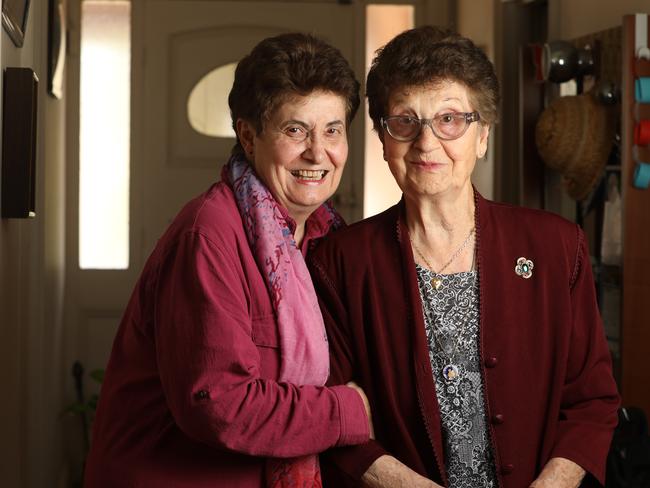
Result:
[450,372]
[436,282]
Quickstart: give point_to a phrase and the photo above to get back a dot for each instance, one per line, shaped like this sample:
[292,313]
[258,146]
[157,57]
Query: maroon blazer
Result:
[548,384]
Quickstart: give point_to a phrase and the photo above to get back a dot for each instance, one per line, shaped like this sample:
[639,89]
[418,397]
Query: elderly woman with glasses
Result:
[216,378]
[472,326]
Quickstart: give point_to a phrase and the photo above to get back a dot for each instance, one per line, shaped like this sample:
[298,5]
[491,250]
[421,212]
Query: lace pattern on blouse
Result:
[451,317]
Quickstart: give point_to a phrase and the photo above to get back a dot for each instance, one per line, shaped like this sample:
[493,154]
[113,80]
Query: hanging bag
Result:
[628,462]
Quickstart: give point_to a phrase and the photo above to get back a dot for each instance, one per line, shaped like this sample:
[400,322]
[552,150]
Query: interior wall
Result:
[31,288]
[380,190]
[577,18]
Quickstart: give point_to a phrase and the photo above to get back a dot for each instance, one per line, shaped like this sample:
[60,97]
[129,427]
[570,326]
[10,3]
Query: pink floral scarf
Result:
[304,349]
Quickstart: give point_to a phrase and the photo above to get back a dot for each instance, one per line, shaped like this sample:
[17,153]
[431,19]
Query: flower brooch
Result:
[524,268]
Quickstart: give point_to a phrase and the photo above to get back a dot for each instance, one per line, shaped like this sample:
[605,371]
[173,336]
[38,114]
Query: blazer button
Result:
[497,419]
[202,395]
[491,362]
[507,468]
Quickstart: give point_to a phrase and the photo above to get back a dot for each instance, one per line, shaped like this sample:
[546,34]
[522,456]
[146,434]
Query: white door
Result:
[174,44]
[180,42]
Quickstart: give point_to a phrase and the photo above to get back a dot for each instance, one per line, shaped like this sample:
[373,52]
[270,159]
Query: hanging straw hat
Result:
[574,136]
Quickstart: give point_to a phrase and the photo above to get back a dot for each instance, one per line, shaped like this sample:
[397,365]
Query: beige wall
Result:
[384,21]
[380,190]
[575,18]
[31,292]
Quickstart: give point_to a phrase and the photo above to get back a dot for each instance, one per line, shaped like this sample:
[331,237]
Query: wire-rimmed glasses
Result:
[449,126]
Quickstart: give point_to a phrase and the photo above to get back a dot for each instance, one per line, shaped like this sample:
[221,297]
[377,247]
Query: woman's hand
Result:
[388,472]
[366,404]
[559,473]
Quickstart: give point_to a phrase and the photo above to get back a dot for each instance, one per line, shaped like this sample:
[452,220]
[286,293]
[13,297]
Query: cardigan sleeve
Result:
[342,466]
[588,410]
[209,365]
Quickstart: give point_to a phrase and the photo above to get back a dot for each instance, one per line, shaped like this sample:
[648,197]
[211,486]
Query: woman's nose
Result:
[426,139]
[315,150]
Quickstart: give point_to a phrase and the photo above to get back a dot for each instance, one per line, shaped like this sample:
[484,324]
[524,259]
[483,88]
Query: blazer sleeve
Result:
[588,411]
[209,365]
[342,466]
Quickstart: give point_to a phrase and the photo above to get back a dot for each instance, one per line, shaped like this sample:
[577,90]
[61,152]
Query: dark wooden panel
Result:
[635,325]
[641,153]
[642,111]
[532,92]
[516,27]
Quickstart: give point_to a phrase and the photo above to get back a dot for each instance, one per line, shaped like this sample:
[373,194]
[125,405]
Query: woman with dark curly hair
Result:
[217,371]
[472,326]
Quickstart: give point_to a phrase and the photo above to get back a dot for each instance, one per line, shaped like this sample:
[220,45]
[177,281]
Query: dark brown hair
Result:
[287,65]
[428,55]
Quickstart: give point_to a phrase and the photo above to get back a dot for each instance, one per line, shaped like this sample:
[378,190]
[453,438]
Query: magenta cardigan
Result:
[548,384]
[190,397]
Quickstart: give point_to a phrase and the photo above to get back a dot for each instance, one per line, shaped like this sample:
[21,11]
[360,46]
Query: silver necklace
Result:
[450,371]
[436,281]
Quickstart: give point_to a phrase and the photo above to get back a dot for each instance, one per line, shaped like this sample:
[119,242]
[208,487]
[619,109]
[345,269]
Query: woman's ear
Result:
[246,134]
[482,143]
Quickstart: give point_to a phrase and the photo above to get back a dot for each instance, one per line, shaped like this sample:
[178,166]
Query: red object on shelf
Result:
[536,52]
[642,133]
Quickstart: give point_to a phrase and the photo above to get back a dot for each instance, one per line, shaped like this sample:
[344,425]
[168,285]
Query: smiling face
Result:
[430,166]
[301,152]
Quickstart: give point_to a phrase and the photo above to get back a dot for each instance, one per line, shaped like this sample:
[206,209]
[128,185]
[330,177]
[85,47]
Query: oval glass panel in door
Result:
[207,105]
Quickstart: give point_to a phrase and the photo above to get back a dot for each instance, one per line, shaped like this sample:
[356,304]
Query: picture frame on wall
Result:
[19,125]
[56,47]
[14,19]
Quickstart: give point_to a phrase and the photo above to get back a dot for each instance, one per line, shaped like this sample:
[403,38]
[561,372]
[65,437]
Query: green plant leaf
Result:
[97,375]
[77,408]
[92,402]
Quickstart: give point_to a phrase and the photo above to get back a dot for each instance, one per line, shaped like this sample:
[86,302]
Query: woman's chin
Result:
[310,193]
[426,188]
[307,202]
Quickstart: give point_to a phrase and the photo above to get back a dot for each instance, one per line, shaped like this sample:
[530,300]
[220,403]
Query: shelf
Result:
[635,318]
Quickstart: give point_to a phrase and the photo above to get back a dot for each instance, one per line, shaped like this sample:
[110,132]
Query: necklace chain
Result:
[450,371]
[453,257]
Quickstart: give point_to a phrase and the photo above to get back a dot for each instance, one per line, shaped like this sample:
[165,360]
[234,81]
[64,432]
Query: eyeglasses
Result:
[333,133]
[447,127]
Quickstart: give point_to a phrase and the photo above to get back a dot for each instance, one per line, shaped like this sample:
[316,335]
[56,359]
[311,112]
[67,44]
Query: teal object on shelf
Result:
[642,89]
[642,176]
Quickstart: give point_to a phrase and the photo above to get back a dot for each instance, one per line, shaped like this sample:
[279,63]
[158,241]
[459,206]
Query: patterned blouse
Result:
[451,316]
